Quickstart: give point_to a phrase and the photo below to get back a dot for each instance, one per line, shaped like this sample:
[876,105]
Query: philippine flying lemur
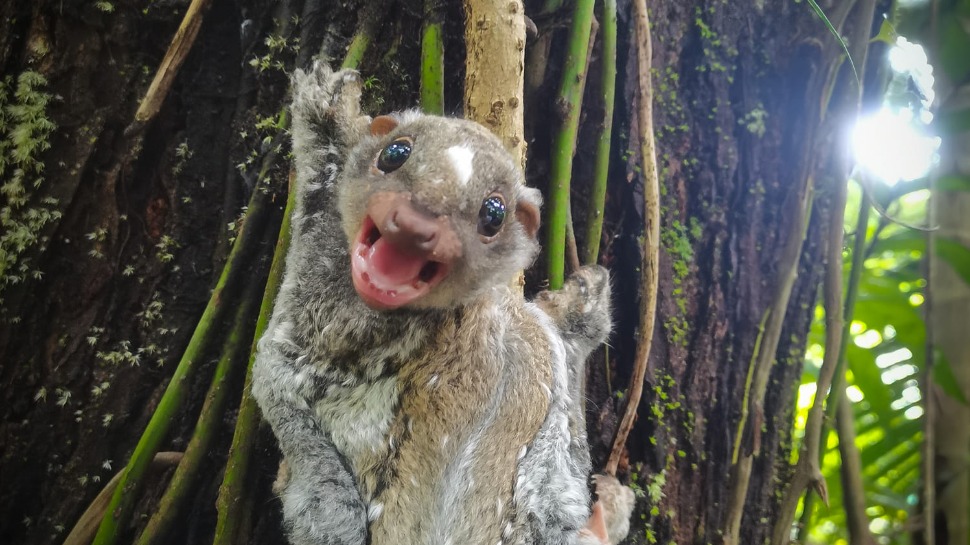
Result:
[418,399]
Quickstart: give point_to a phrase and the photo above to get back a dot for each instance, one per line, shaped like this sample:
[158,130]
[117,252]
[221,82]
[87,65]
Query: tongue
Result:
[389,267]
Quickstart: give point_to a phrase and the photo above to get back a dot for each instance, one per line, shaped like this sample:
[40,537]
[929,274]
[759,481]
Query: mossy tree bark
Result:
[88,343]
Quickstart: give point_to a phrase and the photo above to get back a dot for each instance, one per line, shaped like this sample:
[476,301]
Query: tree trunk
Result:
[950,329]
[88,343]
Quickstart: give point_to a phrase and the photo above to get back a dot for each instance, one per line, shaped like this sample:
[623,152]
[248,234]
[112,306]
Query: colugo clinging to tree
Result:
[417,399]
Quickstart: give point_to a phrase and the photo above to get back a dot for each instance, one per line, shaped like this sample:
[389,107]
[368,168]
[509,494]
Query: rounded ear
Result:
[382,124]
[527,210]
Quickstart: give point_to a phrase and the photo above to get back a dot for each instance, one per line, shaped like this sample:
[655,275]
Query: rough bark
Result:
[495,57]
[736,110]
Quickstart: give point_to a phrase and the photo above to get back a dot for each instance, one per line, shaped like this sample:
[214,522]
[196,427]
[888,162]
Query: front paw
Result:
[322,96]
[614,506]
[581,308]
[316,512]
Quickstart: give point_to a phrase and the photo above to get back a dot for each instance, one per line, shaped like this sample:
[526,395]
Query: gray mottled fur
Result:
[395,424]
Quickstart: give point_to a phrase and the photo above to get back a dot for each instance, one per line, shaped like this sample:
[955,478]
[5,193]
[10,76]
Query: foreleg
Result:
[321,502]
[581,312]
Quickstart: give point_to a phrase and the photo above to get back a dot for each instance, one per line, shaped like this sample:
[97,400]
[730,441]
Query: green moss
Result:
[655,487]
[706,32]
[677,242]
[25,211]
[654,493]
[754,121]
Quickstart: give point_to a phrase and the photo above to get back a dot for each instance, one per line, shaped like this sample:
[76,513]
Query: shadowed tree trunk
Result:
[110,257]
[950,417]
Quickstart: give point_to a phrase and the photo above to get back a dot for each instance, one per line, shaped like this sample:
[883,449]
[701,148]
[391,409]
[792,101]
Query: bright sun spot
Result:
[869,339]
[806,395]
[914,412]
[892,358]
[891,144]
[890,148]
[854,394]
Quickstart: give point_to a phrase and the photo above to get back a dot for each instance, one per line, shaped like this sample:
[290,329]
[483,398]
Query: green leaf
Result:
[900,439]
[950,250]
[867,376]
[888,499]
[887,33]
[900,458]
[906,482]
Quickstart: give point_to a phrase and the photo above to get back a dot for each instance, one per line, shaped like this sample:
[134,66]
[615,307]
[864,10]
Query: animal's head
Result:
[435,211]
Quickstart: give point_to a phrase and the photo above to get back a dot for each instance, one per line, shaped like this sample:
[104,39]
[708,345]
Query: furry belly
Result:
[358,419]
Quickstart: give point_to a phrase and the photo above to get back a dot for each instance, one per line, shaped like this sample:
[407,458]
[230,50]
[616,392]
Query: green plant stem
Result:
[572,251]
[231,504]
[837,392]
[601,168]
[564,142]
[836,409]
[749,379]
[123,500]
[432,61]
[851,293]
[370,19]
[187,473]
[355,52]
[805,520]
[808,471]
[853,489]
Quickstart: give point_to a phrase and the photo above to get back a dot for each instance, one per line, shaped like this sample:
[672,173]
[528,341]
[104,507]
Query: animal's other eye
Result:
[491,216]
[394,155]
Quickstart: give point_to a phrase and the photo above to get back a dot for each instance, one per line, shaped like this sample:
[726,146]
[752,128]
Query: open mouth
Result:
[386,277]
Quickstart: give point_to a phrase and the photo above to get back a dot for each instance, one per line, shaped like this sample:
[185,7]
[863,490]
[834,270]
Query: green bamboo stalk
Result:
[186,474]
[564,142]
[123,500]
[356,50]
[370,19]
[601,167]
[432,61]
[231,504]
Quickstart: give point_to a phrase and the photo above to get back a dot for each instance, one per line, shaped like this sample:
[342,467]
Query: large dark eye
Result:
[491,216]
[394,155]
